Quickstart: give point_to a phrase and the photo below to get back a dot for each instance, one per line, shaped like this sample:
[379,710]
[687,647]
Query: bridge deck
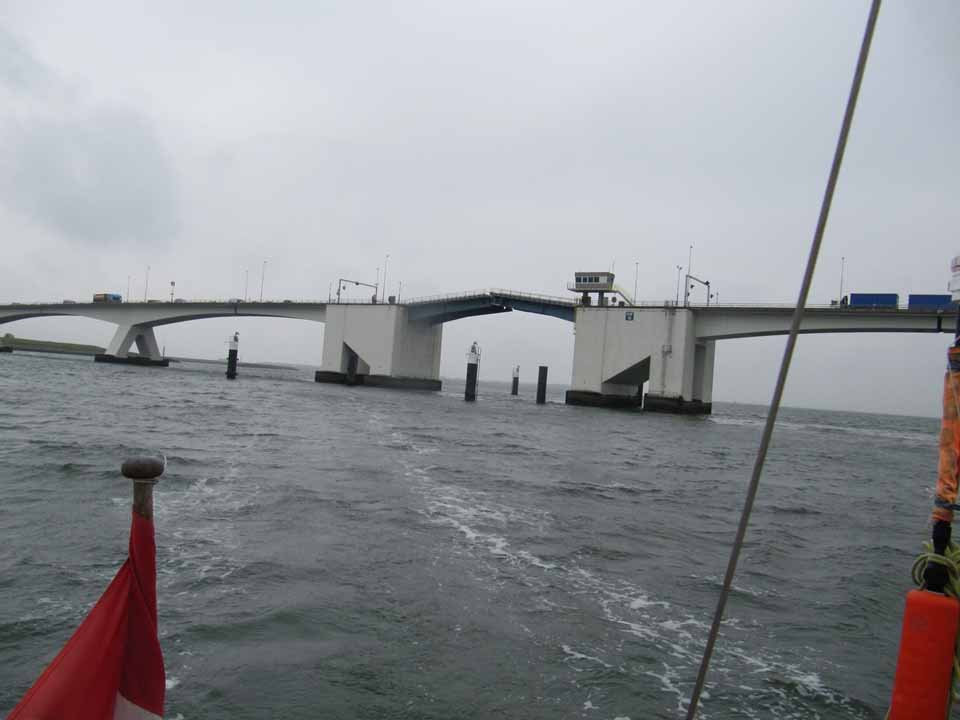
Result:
[713,322]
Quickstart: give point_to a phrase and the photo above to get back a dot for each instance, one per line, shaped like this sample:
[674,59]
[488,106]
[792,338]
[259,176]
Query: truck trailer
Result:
[874,300]
[929,302]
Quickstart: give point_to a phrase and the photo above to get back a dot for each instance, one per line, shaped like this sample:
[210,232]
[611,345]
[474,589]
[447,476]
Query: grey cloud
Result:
[19,70]
[95,174]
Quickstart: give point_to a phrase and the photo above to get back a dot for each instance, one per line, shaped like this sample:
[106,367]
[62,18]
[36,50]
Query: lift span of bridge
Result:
[620,350]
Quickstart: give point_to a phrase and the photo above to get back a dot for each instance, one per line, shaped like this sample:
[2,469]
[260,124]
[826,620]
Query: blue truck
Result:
[929,302]
[874,300]
[107,298]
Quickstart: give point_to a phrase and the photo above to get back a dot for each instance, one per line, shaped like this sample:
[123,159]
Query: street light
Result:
[690,286]
[263,272]
[843,265]
[146,284]
[384,294]
[677,300]
[345,281]
[173,284]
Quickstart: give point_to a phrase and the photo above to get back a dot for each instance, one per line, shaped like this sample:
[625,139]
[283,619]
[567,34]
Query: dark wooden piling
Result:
[542,385]
[470,393]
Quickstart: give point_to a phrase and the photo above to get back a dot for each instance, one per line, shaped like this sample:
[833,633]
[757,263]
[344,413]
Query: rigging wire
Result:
[787,357]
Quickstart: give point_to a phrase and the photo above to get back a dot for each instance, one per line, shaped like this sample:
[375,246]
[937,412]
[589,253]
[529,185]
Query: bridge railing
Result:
[444,297]
[790,306]
[490,292]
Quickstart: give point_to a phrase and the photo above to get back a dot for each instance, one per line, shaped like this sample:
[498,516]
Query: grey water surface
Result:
[333,552]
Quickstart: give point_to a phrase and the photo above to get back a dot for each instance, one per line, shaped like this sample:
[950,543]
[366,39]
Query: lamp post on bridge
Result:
[146,284]
[843,266]
[173,284]
[383,295]
[341,281]
[263,272]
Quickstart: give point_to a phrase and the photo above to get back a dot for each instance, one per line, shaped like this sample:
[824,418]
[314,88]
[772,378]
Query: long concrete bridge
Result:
[620,350]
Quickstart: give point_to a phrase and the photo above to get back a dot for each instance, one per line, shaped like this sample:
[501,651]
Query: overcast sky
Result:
[484,144]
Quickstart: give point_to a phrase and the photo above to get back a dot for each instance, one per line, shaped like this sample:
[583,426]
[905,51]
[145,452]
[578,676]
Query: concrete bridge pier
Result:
[620,350]
[124,338]
[380,345]
[693,394]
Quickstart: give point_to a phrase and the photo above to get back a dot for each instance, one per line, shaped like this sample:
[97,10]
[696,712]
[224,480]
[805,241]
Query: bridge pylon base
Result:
[676,405]
[404,383]
[131,360]
[595,399]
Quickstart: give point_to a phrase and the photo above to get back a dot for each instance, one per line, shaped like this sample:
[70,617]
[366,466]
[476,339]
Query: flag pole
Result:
[112,665]
[144,472]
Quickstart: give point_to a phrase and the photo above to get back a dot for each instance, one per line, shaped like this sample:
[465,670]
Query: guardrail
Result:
[178,301]
[487,292]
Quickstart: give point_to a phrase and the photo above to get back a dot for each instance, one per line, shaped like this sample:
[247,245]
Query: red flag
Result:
[112,667]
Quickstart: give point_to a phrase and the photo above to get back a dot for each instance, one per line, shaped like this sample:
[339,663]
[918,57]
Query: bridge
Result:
[620,349]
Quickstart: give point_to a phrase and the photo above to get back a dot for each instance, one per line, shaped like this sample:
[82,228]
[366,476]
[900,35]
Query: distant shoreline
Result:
[64,348]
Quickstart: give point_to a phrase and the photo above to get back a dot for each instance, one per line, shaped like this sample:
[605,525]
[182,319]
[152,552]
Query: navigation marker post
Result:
[234,347]
[515,387]
[473,364]
[542,385]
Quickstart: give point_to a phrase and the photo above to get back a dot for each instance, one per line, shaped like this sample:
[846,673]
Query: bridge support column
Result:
[147,347]
[379,345]
[618,350]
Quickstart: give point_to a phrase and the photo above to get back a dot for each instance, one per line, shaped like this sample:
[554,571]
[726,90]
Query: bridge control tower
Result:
[593,282]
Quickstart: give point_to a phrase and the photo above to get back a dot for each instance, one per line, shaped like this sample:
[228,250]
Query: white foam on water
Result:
[486,526]
[913,437]
[532,559]
[574,655]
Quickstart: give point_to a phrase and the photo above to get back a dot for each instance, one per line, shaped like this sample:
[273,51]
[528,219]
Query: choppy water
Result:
[327,552]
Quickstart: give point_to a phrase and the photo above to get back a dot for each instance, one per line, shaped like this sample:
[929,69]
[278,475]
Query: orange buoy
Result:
[921,686]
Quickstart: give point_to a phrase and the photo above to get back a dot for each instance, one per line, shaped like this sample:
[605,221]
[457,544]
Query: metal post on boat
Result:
[542,385]
[935,575]
[925,676]
[144,472]
[954,288]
